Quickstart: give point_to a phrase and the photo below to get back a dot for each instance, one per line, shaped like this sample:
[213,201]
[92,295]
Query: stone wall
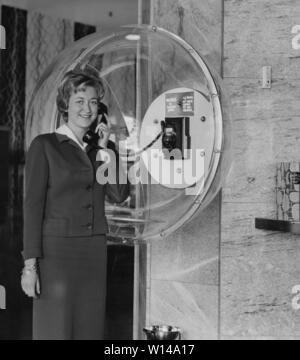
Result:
[252,298]
[259,268]
[184,287]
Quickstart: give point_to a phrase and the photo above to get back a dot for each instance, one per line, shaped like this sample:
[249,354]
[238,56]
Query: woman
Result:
[64,218]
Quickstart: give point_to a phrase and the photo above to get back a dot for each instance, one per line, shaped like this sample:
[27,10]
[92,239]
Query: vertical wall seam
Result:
[222,36]
[221,194]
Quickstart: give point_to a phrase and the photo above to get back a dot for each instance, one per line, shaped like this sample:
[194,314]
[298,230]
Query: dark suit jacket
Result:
[62,196]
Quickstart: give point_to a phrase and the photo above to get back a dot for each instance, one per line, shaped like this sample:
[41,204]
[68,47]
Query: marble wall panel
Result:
[265,130]
[259,268]
[258,271]
[188,306]
[191,254]
[259,33]
[249,100]
[185,265]
[199,23]
[238,228]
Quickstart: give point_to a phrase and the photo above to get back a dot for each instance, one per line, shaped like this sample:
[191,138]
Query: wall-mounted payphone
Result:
[176,135]
[176,125]
[187,129]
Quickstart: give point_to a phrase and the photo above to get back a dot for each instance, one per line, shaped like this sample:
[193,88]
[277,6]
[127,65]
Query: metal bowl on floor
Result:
[162,332]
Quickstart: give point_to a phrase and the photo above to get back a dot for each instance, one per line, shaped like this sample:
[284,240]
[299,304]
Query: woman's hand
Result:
[104,131]
[30,279]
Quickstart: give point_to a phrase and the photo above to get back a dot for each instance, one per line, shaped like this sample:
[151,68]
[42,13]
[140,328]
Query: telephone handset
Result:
[90,137]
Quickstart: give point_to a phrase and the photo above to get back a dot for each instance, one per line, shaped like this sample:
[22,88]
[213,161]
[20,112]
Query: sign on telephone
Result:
[180,104]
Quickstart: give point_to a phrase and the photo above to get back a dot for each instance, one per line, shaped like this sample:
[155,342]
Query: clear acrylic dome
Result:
[159,92]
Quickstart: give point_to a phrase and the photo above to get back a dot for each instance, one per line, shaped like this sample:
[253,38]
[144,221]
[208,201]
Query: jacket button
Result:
[89,226]
[90,207]
[89,188]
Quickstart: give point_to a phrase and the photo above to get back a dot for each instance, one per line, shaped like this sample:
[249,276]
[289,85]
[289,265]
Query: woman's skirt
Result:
[73,289]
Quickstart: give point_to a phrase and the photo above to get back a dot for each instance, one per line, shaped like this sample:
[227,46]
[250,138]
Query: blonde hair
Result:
[72,82]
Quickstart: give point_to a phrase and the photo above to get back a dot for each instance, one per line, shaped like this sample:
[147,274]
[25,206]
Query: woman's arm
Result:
[112,174]
[36,182]
[116,191]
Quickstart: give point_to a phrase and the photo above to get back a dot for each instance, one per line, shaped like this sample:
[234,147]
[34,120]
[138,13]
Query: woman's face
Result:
[83,107]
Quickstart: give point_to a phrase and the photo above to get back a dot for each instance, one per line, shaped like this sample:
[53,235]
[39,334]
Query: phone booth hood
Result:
[162,96]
